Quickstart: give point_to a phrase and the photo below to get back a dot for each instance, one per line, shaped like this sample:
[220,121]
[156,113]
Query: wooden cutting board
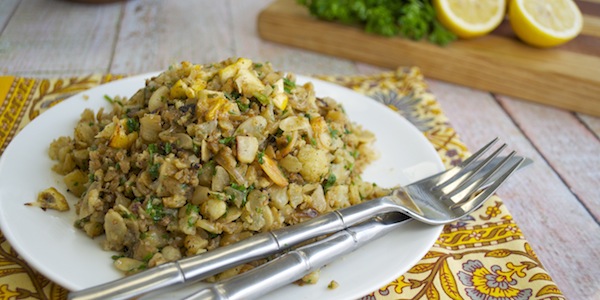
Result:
[567,76]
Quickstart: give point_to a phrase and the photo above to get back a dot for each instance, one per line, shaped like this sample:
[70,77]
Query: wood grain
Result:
[562,221]
[74,38]
[7,7]
[289,59]
[593,123]
[156,34]
[552,131]
[559,77]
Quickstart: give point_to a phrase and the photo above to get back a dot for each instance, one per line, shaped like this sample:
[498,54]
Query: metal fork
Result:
[451,195]
[439,199]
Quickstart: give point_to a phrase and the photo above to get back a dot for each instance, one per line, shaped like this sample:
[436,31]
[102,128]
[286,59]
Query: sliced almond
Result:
[270,167]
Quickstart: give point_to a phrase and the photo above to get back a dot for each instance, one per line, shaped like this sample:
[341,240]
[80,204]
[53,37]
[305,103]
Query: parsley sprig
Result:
[412,19]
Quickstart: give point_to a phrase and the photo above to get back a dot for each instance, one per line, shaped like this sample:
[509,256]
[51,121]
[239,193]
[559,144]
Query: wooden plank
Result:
[559,77]
[592,26]
[567,144]
[73,38]
[156,34]
[593,123]
[7,8]
[561,231]
[285,58]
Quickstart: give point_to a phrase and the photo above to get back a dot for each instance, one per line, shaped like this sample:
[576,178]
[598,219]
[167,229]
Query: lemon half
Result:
[545,23]
[470,18]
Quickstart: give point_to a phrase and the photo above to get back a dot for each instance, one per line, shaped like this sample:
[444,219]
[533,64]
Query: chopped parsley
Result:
[329,182]
[154,171]
[261,159]
[148,257]
[155,211]
[242,106]
[189,208]
[168,148]
[334,132]
[112,101]
[245,191]
[133,125]
[232,96]
[288,85]
[227,140]
[152,148]
[261,98]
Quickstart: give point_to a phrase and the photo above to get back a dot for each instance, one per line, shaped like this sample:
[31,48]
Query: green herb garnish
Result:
[412,19]
[261,156]
[288,85]
[152,148]
[261,98]
[227,140]
[334,132]
[133,125]
[154,171]
[243,107]
[245,191]
[112,101]
[189,208]
[329,182]
[155,211]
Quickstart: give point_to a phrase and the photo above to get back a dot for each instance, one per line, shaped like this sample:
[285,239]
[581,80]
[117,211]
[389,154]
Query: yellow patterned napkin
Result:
[481,257]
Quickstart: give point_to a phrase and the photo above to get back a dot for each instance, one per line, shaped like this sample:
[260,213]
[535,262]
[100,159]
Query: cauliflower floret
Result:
[315,163]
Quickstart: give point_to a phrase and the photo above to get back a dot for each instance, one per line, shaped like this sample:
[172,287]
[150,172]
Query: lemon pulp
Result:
[470,18]
[545,23]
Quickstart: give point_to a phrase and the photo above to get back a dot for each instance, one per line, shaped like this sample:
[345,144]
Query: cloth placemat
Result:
[481,257]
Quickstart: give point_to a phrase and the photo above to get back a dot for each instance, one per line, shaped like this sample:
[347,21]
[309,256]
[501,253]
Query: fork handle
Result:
[295,264]
[215,261]
[265,244]
[333,221]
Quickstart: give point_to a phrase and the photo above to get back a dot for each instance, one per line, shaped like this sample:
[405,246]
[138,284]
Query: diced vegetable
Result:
[247,148]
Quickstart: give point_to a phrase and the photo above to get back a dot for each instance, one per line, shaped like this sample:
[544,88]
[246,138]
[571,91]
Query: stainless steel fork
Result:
[439,199]
[451,195]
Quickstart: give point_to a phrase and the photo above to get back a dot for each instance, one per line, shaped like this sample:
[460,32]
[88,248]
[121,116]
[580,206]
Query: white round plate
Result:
[50,243]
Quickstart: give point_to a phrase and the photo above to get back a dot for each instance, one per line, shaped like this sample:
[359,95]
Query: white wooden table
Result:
[556,202]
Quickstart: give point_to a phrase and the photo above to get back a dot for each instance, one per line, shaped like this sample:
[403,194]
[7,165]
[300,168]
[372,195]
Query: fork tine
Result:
[449,176]
[467,193]
[474,203]
[454,187]
[475,156]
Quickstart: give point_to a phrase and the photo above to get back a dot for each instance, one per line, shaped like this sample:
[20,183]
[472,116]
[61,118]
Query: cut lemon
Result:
[470,18]
[545,23]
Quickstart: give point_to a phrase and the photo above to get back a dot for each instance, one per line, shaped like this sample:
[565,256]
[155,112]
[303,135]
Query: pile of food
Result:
[207,155]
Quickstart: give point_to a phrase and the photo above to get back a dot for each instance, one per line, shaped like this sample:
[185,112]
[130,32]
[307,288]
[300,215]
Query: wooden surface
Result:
[566,76]
[556,202]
